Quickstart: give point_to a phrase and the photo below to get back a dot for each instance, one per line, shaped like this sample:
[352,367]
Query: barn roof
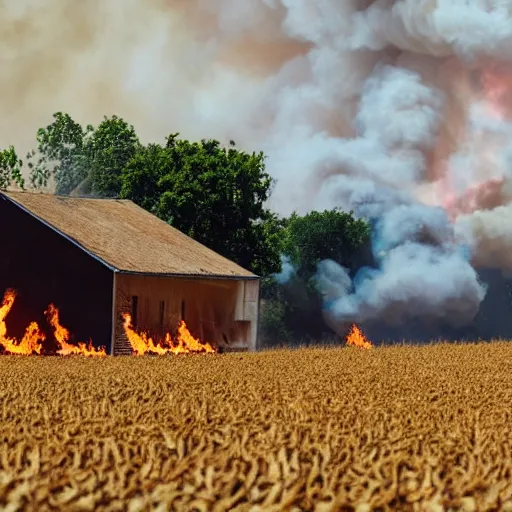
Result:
[125,237]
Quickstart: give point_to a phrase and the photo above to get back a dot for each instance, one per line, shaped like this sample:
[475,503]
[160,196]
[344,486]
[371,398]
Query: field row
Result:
[401,428]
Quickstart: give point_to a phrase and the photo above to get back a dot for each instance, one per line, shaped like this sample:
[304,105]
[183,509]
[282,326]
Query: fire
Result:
[141,343]
[62,336]
[185,343]
[32,340]
[356,338]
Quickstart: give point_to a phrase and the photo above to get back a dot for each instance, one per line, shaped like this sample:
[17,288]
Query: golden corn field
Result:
[401,428]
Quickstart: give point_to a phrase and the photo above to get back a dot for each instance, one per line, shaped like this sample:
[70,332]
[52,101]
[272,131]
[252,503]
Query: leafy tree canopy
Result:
[10,169]
[59,153]
[331,234]
[108,149]
[72,155]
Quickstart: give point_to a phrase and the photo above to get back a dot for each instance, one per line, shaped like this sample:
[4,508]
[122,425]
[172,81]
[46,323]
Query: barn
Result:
[96,259]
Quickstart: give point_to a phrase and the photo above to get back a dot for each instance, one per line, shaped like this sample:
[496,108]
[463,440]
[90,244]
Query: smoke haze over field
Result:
[400,110]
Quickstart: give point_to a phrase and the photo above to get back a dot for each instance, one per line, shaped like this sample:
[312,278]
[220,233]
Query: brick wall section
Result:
[121,344]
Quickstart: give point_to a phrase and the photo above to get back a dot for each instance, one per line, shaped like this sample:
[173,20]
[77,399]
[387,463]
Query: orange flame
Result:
[62,336]
[187,342]
[356,338]
[143,344]
[32,340]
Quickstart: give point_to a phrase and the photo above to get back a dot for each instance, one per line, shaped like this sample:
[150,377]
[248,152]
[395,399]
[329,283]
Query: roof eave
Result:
[236,277]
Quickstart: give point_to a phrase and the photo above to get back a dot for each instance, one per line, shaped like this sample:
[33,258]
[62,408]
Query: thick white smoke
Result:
[400,110]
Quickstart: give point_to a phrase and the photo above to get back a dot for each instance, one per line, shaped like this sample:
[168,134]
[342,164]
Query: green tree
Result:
[214,194]
[74,155]
[143,174]
[60,153]
[10,169]
[331,234]
[108,149]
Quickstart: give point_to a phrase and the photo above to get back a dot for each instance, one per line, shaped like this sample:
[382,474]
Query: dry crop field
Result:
[401,428]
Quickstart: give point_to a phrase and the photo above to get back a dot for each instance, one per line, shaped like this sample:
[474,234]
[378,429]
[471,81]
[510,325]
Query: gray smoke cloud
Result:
[422,272]
[287,271]
[398,109]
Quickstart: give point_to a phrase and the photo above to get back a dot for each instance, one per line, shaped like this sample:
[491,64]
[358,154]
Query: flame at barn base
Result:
[185,343]
[33,339]
[62,336]
[31,342]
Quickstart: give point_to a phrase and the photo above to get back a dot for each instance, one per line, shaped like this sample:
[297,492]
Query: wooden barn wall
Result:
[214,309]
[43,267]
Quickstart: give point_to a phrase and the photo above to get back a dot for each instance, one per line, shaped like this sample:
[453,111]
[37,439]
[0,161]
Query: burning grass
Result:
[401,428]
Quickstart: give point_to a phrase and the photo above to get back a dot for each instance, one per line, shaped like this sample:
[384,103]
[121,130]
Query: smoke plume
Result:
[398,109]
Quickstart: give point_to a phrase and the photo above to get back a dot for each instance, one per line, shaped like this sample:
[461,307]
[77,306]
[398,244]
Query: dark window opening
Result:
[161,314]
[135,310]
[183,310]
